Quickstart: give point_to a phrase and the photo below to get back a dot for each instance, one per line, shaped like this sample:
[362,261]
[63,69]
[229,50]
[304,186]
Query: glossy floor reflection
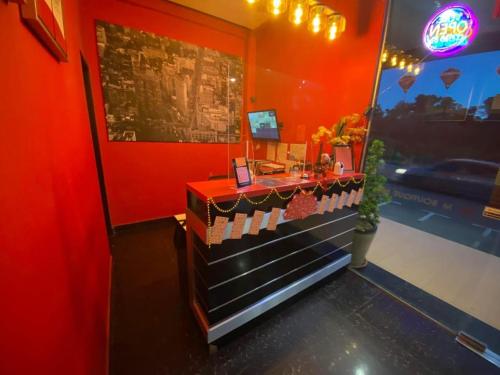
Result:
[344,326]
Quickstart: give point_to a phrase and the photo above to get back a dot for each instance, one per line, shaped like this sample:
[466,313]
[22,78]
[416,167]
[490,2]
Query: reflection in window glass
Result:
[441,129]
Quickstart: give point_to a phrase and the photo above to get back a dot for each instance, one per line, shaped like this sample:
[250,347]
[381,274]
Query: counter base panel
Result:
[244,316]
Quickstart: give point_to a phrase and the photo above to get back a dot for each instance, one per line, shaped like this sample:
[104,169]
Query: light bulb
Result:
[316,23]
[402,64]
[409,68]
[417,70]
[276,7]
[394,60]
[332,32]
[384,56]
[317,19]
[298,11]
[335,26]
[297,15]
[251,1]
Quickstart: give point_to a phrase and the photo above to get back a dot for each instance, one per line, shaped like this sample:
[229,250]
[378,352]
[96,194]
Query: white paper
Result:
[271,151]
[298,151]
[322,204]
[342,200]
[282,152]
[333,202]
[359,197]
[350,199]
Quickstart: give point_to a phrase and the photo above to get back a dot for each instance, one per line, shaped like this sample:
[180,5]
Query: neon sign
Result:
[450,30]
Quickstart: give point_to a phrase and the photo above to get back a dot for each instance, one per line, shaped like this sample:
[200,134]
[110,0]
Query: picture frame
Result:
[45,18]
[169,119]
[344,154]
[242,172]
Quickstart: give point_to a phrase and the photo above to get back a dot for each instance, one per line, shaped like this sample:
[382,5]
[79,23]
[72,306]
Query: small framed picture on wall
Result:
[45,18]
[344,154]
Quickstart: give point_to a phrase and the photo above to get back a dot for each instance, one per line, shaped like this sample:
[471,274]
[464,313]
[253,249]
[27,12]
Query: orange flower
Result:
[350,129]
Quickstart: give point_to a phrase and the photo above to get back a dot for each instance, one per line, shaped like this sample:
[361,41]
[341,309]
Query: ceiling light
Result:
[335,26]
[317,19]
[298,11]
[276,7]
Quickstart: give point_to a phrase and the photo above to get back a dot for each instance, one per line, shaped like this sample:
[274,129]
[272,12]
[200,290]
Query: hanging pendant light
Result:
[277,7]
[317,19]
[298,11]
[335,26]
[251,2]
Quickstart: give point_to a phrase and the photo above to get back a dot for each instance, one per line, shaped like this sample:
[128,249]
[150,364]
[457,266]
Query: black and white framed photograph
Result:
[158,89]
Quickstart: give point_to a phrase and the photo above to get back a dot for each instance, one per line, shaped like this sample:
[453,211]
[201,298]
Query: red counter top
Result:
[226,190]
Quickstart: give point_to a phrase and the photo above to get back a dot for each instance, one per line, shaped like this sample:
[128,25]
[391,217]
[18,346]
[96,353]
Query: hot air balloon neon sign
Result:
[450,30]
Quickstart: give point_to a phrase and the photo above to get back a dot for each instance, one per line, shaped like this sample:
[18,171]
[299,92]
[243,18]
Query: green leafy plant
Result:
[374,191]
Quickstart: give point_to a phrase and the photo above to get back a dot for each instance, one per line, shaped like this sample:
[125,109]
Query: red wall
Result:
[309,81]
[147,180]
[54,255]
[313,82]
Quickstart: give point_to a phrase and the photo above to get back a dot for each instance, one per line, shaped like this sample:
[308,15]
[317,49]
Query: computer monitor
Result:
[264,125]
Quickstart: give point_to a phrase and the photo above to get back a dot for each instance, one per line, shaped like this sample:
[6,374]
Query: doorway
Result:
[95,143]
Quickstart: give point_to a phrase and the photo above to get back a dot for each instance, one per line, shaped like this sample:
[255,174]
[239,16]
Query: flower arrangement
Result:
[349,130]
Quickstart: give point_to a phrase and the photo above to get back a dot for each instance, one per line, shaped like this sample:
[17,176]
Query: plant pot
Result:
[360,247]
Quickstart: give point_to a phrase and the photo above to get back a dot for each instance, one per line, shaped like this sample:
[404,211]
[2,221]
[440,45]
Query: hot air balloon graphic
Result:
[406,82]
[449,76]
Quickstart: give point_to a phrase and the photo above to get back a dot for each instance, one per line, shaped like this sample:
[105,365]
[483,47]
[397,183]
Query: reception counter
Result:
[249,249]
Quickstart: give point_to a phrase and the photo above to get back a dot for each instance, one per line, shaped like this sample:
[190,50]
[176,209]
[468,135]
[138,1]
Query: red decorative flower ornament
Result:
[301,206]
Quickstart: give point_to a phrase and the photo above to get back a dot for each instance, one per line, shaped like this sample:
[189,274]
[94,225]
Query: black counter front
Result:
[236,280]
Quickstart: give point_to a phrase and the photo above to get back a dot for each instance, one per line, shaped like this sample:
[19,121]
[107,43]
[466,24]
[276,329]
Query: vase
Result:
[361,245]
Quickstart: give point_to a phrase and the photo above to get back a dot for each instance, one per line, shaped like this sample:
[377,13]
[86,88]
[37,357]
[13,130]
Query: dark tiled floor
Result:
[344,326]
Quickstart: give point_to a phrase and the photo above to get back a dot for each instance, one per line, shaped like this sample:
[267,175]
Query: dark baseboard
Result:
[123,227]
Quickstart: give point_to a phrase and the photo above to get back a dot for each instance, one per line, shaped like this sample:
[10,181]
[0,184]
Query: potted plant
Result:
[374,193]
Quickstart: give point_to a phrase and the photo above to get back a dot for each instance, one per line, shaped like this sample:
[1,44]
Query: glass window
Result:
[439,117]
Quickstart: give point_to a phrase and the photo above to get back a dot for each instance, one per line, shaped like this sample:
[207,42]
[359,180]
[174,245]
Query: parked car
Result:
[466,178]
